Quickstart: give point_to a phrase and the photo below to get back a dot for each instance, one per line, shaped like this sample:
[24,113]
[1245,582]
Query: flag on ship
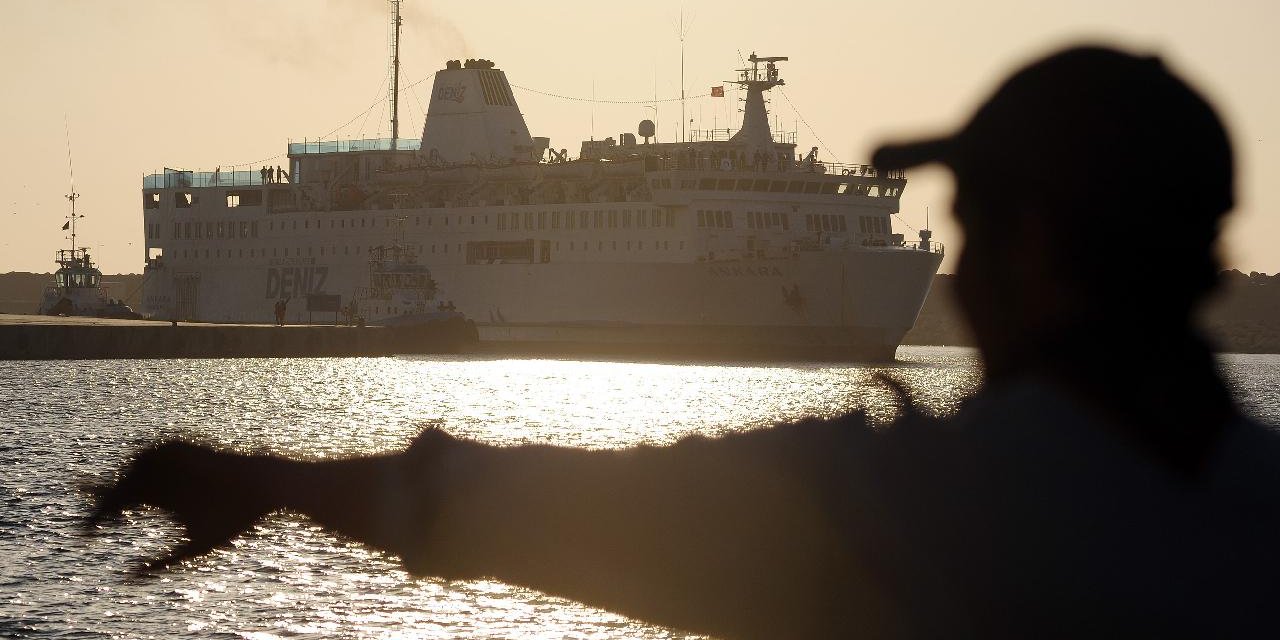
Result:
[66,225]
[717,92]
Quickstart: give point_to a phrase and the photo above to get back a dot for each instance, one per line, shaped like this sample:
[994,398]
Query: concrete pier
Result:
[27,337]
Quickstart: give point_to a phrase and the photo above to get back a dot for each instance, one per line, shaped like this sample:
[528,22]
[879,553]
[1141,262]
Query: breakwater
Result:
[56,338]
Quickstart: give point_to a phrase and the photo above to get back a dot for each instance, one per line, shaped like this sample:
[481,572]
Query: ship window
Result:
[626,219]
[842,188]
[707,184]
[151,201]
[542,219]
[233,200]
[795,186]
[273,252]
[582,220]
[555,222]
[812,187]
[182,200]
[702,218]
[829,188]
[613,219]
[361,223]
[725,185]
[777,186]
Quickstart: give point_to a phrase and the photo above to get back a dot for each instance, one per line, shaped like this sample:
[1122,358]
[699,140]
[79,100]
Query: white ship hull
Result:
[833,303]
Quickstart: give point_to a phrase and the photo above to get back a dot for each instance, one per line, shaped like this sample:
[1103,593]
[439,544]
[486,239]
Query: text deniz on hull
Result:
[291,282]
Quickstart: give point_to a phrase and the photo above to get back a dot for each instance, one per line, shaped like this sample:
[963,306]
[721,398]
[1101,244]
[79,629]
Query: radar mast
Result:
[395,73]
[755,119]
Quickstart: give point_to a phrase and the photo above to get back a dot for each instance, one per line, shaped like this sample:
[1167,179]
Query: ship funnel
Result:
[473,117]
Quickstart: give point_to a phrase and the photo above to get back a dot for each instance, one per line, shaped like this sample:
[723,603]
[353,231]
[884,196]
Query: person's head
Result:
[1090,187]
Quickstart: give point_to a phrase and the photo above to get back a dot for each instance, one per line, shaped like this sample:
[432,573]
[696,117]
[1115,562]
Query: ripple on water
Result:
[288,578]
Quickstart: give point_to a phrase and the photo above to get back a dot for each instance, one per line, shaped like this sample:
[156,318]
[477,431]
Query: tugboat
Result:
[401,290]
[77,284]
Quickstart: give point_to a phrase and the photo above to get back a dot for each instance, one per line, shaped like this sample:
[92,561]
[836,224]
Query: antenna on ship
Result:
[395,73]
[683,33]
[73,196]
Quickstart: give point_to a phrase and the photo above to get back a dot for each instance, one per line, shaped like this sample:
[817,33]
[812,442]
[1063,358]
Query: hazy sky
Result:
[194,84]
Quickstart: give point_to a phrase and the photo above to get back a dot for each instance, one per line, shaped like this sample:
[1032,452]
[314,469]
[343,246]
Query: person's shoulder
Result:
[1248,454]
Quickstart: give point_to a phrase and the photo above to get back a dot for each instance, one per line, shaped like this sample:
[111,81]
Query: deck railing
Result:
[178,179]
[347,146]
[769,167]
[722,135]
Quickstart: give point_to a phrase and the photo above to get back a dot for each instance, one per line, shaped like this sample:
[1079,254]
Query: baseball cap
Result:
[1090,124]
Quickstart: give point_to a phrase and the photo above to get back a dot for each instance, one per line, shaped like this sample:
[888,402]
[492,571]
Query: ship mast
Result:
[73,196]
[395,74]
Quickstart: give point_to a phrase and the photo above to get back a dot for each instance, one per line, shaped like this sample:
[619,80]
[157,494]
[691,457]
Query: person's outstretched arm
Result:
[732,536]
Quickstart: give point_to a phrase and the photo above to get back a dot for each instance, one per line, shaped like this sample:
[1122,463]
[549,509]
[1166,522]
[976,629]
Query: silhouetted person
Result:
[1100,484]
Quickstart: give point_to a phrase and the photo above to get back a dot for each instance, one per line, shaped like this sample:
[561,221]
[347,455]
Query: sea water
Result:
[62,423]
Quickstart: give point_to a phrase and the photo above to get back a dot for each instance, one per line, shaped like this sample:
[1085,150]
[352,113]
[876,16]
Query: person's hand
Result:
[213,495]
